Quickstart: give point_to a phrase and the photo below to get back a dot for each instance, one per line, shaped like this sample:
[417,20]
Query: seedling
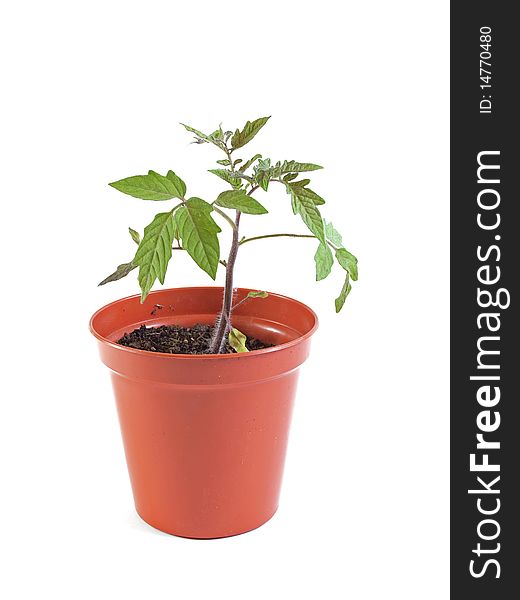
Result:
[191,224]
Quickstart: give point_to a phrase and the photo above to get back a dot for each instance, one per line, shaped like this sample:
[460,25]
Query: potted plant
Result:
[204,378]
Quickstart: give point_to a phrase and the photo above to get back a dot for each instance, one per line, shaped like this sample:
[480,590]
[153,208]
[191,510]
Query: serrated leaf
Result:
[345,291]
[151,187]
[303,205]
[332,234]
[239,200]
[251,128]
[227,176]
[155,251]
[198,232]
[119,273]
[324,261]
[237,340]
[348,261]
[291,166]
[134,235]
[257,295]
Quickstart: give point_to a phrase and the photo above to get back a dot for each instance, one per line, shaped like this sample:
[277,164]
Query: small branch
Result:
[240,303]
[223,214]
[273,235]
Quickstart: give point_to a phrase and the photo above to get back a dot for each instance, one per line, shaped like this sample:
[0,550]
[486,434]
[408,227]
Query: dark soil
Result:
[174,339]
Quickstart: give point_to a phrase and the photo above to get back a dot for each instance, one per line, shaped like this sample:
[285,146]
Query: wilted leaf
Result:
[345,291]
[154,252]
[332,234]
[198,232]
[239,200]
[152,186]
[119,273]
[324,261]
[257,295]
[251,128]
[237,340]
[348,261]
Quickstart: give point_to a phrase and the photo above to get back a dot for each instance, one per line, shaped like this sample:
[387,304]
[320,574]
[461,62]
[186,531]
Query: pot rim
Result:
[233,356]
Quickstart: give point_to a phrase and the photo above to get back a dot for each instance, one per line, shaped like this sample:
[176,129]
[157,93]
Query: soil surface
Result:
[174,339]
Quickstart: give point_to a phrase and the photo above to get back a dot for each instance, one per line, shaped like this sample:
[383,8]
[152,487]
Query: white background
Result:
[93,92]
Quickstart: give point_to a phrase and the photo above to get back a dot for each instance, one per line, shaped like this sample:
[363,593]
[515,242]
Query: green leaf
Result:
[239,200]
[224,161]
[251,128]
[155,251]
[237,340]
[348,261]
[199,134]
[152,186]
[177,184]
[305,191]
[227,176]
[240,175]
[198,232]
[218,134]
[290,177]
[291,166]
[248,163]
[345,291]
[263,178]
[257,295]
[119,273]
[303,205]
[332,234]
[134,235]
[324,261]
[264,164]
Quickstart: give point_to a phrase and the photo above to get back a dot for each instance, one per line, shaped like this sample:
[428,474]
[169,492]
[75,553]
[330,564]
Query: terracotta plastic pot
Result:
[205,436]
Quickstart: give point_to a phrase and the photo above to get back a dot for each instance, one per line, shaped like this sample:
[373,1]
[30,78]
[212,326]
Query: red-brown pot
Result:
[205,435]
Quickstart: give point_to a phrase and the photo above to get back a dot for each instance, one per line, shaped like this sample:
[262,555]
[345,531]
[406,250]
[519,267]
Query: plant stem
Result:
[224,321]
